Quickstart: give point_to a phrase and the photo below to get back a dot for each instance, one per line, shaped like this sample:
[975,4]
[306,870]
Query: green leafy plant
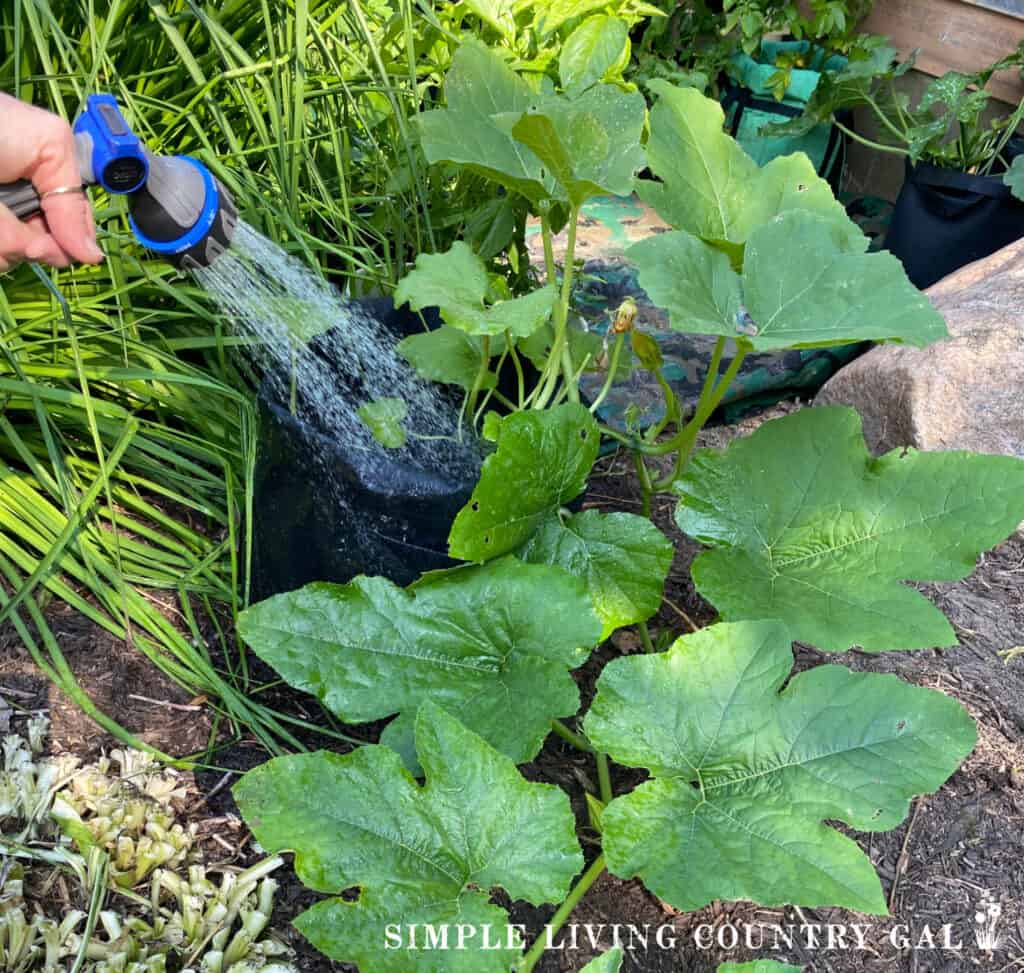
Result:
[550,150]
[947,126]
[576,40]
[434,851]
[610,962]
[829,24]
[810,538]
[687,47]
[697,43]
[736,812]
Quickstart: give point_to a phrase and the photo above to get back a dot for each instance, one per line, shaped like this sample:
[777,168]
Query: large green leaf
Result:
[831,295]
[598,46]
[541,462]
[447,355]
[492,644]
[622,559]
[621,116]
[542,146]
[589,145]
[417,855]
[808,527]
[566,143]
[711,188]
[456,283]
[479,86]
[744,776]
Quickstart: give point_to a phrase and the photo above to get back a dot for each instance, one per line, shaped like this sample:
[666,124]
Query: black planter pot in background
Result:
[319,516]
[945,219]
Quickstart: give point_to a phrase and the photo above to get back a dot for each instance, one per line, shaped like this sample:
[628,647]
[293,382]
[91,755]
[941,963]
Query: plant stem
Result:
[672,411]
[558,920]
[646,488]
[571,737]
[550,271]
[877,146]
[645,637]
[562,337]
[901,136]
[707,403]
[518,365]
[560,358]
[481,374]
[604,778]
[1008,132]
[613,367]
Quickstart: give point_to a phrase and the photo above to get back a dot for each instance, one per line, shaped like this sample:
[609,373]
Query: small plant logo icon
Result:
[986,922]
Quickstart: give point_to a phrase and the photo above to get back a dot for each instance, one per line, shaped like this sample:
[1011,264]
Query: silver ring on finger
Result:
[62,190]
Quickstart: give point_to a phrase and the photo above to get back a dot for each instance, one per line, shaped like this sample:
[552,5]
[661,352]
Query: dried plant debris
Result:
[135,895]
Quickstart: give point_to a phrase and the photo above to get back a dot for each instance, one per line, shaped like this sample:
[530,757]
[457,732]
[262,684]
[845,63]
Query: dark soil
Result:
[963,842]
[120,680]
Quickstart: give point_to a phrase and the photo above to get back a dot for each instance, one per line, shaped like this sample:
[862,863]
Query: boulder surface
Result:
[965,392]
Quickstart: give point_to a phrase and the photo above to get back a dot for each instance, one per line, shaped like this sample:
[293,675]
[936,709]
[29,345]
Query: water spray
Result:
[177,207]
[323,356]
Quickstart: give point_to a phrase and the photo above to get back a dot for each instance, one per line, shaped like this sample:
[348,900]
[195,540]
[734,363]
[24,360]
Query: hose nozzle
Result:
[178,209]
[182,212]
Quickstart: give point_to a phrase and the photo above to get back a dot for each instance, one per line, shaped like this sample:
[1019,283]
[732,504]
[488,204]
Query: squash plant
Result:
[809,537]
[947,127]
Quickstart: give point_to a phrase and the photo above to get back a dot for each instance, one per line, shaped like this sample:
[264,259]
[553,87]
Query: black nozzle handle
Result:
[20,198]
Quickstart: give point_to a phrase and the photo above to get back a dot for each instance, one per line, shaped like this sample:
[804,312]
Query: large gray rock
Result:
[966,392]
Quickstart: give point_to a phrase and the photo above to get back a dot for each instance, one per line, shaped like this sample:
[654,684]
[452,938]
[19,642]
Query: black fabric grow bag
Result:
[945,219]
[319,516]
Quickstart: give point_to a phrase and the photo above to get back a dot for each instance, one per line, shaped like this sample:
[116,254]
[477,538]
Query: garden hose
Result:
[178,208]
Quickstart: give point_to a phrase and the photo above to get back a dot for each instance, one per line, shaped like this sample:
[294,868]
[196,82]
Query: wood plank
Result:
[953,35]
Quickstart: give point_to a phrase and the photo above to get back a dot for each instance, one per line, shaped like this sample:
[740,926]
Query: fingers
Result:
[42,246]
[69,217]
[41,147]
[15,238]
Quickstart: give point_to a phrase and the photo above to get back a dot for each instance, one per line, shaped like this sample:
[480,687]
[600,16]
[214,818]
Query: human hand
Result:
[39,146]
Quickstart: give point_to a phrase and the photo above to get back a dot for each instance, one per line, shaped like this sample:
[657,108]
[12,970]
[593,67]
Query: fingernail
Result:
[93,249]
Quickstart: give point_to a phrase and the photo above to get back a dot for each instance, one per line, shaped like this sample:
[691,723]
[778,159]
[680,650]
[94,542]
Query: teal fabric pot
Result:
[750,105]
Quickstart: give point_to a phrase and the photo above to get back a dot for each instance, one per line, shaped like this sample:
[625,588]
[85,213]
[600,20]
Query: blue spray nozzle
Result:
[110,149]
[178,207]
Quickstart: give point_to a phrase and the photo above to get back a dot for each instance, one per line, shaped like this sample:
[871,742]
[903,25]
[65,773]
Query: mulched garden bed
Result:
[957,846]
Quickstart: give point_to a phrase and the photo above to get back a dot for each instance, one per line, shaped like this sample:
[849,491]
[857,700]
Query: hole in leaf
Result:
[695,784]
[876,815]
[487,540]
[584,434]
[901,726]
[475,506]
[351,894]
